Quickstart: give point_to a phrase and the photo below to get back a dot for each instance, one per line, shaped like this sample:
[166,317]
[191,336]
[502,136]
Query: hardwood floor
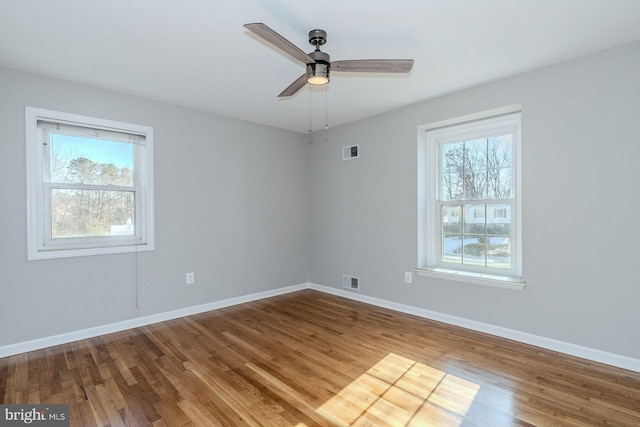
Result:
[308,359]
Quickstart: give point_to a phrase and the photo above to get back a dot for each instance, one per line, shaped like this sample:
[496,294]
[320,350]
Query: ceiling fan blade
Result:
[267,34]
[373,65]
[294,87]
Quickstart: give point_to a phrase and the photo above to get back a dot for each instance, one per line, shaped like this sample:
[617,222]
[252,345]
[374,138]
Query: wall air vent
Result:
[351,282]
[350,152]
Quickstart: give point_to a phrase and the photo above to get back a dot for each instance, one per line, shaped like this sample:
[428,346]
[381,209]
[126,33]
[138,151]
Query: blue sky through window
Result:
[96,150]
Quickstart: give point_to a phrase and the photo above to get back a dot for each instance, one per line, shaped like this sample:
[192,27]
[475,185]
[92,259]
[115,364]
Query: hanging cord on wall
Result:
[137,279]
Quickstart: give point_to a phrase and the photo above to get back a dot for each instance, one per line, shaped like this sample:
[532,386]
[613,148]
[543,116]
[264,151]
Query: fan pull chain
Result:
[310,110]
[326,120]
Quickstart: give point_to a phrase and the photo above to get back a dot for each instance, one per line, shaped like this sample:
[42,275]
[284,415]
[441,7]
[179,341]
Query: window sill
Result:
[505,282]
[71,253]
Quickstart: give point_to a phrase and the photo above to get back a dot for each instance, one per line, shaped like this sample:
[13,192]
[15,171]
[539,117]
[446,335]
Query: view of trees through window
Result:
[476,187]
[92,187]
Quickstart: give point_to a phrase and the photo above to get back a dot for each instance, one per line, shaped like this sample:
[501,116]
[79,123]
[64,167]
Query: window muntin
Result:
[90,184]
[472,199]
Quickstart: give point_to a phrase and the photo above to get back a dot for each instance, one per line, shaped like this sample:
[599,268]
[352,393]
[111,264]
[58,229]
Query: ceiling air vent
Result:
[350,152]
[351,282]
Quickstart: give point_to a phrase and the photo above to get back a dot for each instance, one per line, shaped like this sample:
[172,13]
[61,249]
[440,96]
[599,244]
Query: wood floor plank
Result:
[312,359]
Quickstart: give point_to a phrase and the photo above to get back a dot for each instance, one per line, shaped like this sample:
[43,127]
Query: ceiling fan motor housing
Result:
[320,69]
[317,37]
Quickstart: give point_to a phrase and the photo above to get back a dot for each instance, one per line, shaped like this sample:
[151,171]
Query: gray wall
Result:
[231,205]
[250,208]
[581,239]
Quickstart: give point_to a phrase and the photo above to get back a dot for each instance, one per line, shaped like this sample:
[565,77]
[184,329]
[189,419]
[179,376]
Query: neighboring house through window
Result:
[90,185]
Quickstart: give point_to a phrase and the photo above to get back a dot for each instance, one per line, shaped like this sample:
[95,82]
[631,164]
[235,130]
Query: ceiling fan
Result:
[318,63]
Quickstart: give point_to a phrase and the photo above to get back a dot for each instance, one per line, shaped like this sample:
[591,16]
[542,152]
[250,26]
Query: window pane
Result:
[474,249]
[475,184]
[498,219]
[475,154]
[452,157]
[451,219]
[499,183]
[452,248]
[452,172]
[499,163]
[83,160]
[499,252]
[475,169]
[474,219]
[91,213]
[499,151]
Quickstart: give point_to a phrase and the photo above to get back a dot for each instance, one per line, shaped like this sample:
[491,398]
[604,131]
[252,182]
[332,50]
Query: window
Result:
[90,185]
[499,213]
[470,201]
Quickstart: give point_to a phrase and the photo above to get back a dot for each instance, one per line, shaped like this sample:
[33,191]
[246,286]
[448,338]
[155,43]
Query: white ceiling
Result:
[196,53]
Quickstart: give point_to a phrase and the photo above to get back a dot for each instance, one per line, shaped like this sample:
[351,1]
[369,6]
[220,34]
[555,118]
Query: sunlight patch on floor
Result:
[399,391]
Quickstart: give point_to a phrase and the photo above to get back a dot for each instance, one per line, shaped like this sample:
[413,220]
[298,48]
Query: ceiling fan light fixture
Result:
[317,74]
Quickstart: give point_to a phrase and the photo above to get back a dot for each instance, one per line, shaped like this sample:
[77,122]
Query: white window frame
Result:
[39,246]
[430,139]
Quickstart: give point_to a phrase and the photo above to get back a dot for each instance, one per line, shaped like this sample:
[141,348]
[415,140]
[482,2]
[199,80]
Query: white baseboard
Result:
[68,337]
[592,354]
[600,356]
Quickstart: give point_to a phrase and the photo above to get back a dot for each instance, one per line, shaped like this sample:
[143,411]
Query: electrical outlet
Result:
[408,277]
[190,279]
